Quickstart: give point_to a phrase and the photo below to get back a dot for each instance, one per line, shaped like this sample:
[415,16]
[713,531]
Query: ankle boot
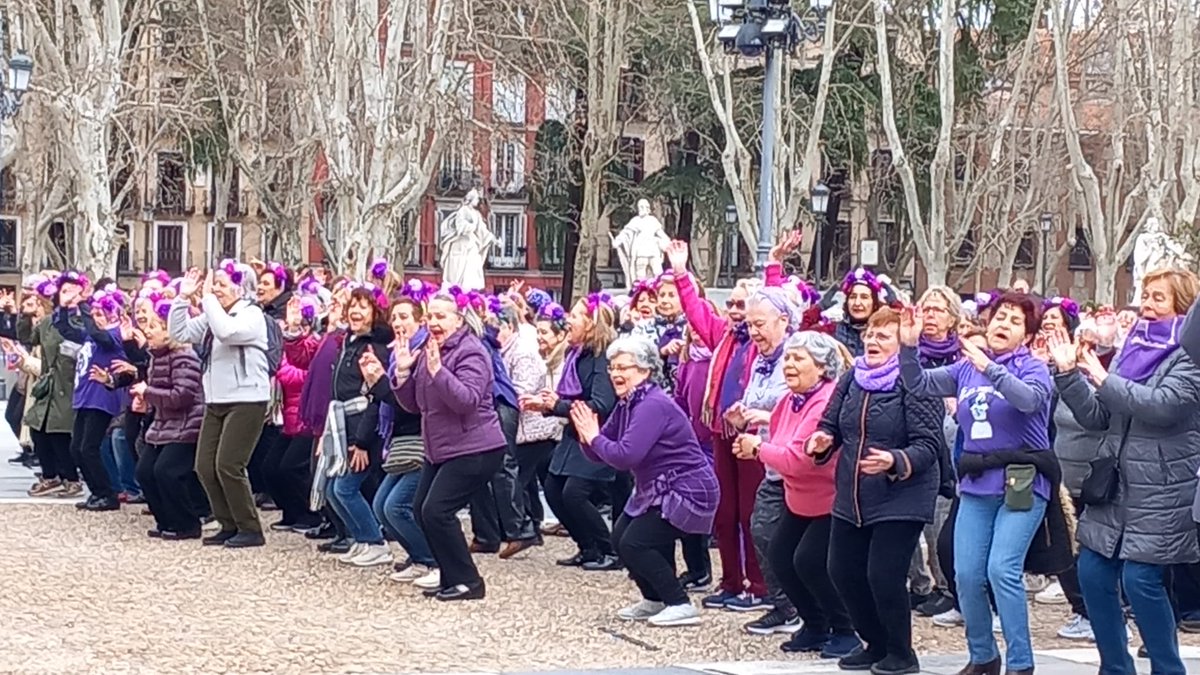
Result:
[990,668]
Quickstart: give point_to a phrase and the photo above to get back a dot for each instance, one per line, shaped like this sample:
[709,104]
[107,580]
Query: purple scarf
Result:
[941,352]
[318,384]
[1148,345]
[387,413]
[569,385]
[877,378]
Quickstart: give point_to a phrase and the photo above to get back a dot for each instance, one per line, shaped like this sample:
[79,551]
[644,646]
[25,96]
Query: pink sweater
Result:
[808,487]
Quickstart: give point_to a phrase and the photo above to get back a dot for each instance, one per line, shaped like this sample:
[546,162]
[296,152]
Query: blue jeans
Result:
[119,463]
[1100,579]
[346,497]
[393,506]
[990,543]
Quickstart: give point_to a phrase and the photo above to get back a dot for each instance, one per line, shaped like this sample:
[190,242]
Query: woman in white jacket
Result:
[232,335]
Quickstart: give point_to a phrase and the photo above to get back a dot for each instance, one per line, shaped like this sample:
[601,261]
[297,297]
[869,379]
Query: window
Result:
[455,172]
[1080,258]
[62,240]
[509,228]
[1025,251]
[551,240]
[172,183]
[458,81]
[560,101]
[225,244]
[8,189]
[508,97]
[960,168]
[170,247]
[1021,173]
[125,248]
[731,253]
[327,220]
[632,157]
[508,165]
[10,238]
[966,250]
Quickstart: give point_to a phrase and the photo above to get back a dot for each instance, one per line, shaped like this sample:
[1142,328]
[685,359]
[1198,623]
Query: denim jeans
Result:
[119,462]
[393,506]
[1100,579]
[990,543]
[346,497]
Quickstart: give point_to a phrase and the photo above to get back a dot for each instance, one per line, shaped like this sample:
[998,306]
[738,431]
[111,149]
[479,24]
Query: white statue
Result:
[640,245]
[1154,249]
[465,243]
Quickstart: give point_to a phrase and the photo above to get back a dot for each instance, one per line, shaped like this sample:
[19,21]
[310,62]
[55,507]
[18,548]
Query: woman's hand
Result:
[736,415]
[1090,364]
[549,399]
[785,247]
[433,357]
[292,315]
[672,348]
[746,446]
[818,444]
[677,255]
[876,462]
[371,367]
[138,389]
[756,418]
[98,374]
[1063,352]
[403,356]
[974,354]
[359,460]
[910,328]
[587,424]
[530,403]
[189,284]
[123,367]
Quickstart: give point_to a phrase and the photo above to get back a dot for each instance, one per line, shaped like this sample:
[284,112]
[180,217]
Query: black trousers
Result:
[443,491]
[498,511]
[256,469]
[618,493]
[14,411]
[90,428]
[531,457]
[799,556]
[54,455]
[286,469]
[869,567]
[647,547]
[167,474]
[571,500]
[696,555]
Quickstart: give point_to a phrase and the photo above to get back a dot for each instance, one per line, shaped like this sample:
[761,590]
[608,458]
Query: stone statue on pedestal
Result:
[1154,249]
[465,243]
[640,245]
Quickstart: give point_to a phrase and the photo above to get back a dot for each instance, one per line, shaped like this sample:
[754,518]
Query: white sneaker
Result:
[409,574]
[372,555]
[950,618]
[1052,595]
[642,610]
[1036,583]
[1077,628]
[431,580]
[676,615]
[348,557]
[996,627]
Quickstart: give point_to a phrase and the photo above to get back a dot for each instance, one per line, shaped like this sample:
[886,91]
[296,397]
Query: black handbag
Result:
[1102,481]
[43,387]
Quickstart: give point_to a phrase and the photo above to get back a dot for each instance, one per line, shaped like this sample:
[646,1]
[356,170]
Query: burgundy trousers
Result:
[739,480]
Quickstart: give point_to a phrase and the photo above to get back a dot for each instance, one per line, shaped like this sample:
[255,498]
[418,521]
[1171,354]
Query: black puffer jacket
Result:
[348,384]
[894,420]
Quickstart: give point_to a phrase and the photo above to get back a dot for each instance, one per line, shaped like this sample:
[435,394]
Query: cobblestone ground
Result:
[91,593]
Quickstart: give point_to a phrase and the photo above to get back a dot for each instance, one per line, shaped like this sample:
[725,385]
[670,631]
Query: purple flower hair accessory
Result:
[230,267]
[308,309]
[379,269]
[418,290]
[864,277]
[72,277]
[310,286]
[1067,305]
[537,299]
[163,309]
[160,276]
[985,300]
[283,276]
[595,300]
[667,277]
[494,305]
[47,289]
[375,291]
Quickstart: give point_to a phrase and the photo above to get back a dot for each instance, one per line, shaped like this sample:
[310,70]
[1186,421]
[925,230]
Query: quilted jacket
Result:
[908,426]
[1154,429]
[175,391]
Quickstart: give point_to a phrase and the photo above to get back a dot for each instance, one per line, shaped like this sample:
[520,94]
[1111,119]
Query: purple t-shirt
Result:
[92,395]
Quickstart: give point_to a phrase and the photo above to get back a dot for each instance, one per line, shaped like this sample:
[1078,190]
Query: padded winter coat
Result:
[1155,430]
[176,393]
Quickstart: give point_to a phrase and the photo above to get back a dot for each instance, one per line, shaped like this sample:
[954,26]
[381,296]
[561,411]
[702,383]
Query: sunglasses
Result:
[735,304]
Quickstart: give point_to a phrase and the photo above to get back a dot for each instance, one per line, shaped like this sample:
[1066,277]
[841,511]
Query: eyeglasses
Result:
[735,304]
[938,311]
[622,369]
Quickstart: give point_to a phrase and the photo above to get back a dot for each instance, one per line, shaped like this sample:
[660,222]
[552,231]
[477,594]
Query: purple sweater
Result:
[1006,407]
[649,436]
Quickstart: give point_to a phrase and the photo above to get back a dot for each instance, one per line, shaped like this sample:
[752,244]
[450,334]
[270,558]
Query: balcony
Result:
[456,182]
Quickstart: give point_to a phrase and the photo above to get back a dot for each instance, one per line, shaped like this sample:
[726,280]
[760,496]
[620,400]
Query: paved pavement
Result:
[15,479]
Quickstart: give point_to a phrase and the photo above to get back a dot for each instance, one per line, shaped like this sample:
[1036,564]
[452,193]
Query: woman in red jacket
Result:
[165,469]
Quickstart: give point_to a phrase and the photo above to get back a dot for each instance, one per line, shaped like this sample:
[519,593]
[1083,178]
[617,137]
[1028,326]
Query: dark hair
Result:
[418,311]
[379,316]
[1029,305]
[103,281]
[1070,321]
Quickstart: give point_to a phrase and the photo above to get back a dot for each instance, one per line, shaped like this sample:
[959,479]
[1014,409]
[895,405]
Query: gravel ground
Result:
[89,592]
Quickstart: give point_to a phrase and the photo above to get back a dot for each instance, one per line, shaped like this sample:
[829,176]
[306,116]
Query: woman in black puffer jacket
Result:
[887,444]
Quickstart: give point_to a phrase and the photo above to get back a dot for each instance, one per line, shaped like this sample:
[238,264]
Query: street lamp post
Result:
[820,209]
[768,28]
[20,70]
[1047,222]
[731,221]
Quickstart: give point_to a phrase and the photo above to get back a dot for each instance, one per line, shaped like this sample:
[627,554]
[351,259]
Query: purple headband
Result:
[308,308]
[157,275]
[1067,305]
[282,276]
[779,300]
[72,277]
[376,292]
[494,305]
[537,299]
[664,278]
[419,291]
[47,289]
[162,308]
[379,269]
[595,300]
[642,286]
[230,267]
[862,276]
[985,300]
[808,294]
[461,300]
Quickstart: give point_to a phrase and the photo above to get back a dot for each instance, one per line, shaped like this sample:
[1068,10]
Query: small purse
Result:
[1102,481]
[43,387]
[405,454]
[1018,486]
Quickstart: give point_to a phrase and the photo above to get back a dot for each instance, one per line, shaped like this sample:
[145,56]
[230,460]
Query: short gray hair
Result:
[777,299]
[644,353]
[953,301]
[824,350]
[470,319]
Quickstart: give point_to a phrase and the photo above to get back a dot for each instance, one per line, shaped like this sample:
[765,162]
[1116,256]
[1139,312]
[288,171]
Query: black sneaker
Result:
[282,527]
[326,531]
[102,504]
[774,621]
[805,640]
[219,538]
[167,535]
[894,665]
[915,600]
[246,540]
[696,583]
[859,659]
[608,563]
[936,604]
[335,546]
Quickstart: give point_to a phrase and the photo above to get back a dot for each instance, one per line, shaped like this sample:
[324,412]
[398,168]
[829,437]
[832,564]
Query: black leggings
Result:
[571,500]
[444,490]
[286,472]
[14,411]
[869,566]
[167,475]
[54,455]
[799,557]
[647,547]
[90,428]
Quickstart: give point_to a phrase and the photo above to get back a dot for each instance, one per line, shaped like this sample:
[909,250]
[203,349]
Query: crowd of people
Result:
[816,442]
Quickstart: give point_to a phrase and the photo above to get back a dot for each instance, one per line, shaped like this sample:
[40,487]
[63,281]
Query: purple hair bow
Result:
[230,267]
[379,269]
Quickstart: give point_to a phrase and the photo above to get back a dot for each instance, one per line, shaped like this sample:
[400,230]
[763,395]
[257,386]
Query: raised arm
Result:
[940,382]
[709,326]
[184,328]
[1164,404]
[1029,392]
[245,328]
[1081,399]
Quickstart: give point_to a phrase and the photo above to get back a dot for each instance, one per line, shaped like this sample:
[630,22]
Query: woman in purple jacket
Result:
[449,382]
[166,466]
[676,490]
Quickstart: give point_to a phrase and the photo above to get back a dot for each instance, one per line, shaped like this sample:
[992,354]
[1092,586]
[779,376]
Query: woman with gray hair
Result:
[676,489]
[799,548]
[232,335]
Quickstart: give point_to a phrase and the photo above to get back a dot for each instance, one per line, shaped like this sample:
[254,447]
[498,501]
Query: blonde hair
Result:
[1183,283]
[604,331]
